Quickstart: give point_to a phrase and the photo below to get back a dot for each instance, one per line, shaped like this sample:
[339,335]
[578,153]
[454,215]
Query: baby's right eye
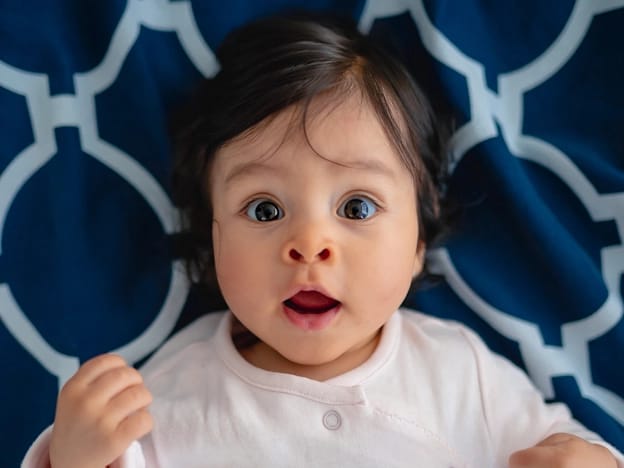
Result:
[264,210]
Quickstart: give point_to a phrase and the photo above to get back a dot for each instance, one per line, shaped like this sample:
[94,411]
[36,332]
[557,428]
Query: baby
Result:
[310,171]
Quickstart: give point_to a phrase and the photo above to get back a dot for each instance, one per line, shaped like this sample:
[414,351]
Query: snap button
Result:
[332,420]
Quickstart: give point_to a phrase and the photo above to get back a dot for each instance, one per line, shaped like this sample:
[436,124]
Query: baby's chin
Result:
[306,360]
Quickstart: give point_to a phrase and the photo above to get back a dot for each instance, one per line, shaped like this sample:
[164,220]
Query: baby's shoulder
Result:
[435,327]
[185,349]
[436,335]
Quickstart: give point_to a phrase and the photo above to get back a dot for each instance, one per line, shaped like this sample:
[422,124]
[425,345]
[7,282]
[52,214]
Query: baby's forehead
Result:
[341,127]
[347,140]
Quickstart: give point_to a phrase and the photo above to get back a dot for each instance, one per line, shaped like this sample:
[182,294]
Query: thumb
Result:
[534,457]
[549,452]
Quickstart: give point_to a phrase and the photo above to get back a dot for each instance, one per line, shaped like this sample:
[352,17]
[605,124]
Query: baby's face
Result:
[313,254]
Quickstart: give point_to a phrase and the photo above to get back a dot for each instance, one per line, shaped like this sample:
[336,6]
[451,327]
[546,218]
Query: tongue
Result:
[311,302]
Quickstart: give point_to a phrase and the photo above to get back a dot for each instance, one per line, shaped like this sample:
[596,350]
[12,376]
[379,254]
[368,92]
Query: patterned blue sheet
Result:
[536,267]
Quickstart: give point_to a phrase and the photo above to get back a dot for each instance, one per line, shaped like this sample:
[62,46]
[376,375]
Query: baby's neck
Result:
[265,357]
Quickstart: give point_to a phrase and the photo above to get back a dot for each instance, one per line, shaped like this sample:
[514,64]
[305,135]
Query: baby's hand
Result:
[99,412]
[563,451]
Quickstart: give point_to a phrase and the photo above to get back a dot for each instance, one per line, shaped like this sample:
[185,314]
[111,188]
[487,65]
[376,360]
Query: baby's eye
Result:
[357,208]
[264,210]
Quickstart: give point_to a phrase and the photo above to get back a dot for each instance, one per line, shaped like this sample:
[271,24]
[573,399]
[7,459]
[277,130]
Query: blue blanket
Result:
[535,267]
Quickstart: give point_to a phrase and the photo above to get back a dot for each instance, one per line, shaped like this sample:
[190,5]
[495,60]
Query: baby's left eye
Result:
[357,208]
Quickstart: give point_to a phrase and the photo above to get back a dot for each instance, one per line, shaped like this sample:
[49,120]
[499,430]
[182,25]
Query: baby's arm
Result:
[100,411]
[526,432]
[563,451]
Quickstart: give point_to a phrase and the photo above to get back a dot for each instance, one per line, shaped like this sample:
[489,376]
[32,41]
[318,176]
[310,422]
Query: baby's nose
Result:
[309,241]
[294,254]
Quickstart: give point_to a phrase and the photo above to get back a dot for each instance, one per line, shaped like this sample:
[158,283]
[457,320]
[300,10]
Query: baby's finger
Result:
[544,454]
[97,366]
[135,426]
[110,417]
[117,436]
[536,457]
[107,385]
[74,391]
[128,401]
[558,439]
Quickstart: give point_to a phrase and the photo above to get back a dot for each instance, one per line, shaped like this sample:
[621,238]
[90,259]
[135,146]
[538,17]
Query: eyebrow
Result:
[372,165]
[249,169]
[254,168]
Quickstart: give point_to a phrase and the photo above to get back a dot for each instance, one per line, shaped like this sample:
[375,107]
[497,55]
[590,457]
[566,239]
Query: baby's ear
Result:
[419,258]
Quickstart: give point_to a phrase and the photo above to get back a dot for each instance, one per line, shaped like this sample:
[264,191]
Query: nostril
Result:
[295,255]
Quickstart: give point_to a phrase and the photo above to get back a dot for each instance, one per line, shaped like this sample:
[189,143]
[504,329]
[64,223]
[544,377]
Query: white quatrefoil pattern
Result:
[536,265]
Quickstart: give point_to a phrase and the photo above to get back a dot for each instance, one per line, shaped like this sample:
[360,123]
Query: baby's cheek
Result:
[227,263]
[395,275]
[242,272]
[230,269]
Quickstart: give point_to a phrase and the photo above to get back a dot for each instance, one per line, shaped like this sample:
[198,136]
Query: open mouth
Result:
[311,302]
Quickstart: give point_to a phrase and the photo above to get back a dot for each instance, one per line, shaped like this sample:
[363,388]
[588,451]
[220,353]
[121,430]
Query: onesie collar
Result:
[346,388]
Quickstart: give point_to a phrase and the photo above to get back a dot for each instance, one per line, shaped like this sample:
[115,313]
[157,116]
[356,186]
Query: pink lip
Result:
[312,287]
[310,321]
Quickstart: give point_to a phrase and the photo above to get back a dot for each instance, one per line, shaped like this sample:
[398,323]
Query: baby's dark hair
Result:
[277,62]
